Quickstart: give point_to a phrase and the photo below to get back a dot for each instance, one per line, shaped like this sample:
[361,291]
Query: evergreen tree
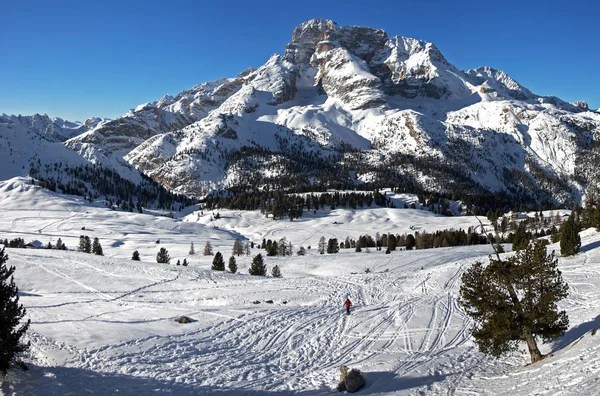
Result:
[392,242]
[87,244]
[135,256]
[162,257]
[276,272]
[208,251]
[192,250]
[258,266]
[238,248]
[595,217]
[60,245]
[178,262]
[272,249]
[570,241]
[357,246]
[97,248]
[515,300]
[218,263]
[410,242]
[247,248]
[49,245]
[185,262]
[520,239]
[322,245]
[232,265]
[301,251]
[333,246]
[11,313]
[82,244]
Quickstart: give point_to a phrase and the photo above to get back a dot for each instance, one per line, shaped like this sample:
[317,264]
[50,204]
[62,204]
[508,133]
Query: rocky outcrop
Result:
[346,77]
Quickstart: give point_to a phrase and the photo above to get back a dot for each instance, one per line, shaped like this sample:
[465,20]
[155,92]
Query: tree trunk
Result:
[535,353]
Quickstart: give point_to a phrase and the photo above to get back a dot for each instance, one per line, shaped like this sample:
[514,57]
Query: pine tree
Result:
[178,262]
[301,251]
[11,313]
[185,263]
[135,256]
[276,272]
[332,246]
[595,217]
[192,250]
[520,239]
[570,241]
[515,300]
[208,251]
[357,247]
[97,248]
[247,248]
[410,242]
[258,266]
[82,246]
[162,257]
[238,248]
[322,245]
[232,265]
[87,244]
[218,263]
[60,245]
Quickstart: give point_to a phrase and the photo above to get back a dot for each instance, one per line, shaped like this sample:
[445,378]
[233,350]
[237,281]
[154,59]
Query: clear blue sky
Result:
[77,59]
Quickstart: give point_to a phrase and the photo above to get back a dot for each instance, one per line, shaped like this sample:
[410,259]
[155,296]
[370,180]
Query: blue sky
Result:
[78,59]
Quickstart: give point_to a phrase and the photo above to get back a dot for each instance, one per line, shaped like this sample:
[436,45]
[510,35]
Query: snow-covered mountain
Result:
[28,141]
[398,100]
[352,105]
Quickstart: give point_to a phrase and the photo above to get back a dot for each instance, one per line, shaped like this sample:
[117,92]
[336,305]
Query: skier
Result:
[348,304]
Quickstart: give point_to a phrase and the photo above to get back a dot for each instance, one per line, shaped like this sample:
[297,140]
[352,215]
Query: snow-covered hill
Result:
[105,325]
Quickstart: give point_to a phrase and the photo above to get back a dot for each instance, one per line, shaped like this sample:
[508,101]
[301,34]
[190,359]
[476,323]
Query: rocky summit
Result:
[348,106]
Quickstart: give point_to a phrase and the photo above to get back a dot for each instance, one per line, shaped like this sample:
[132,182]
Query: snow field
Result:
[102,325]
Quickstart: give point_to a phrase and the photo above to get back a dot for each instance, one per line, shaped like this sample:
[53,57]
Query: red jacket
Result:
[347,303]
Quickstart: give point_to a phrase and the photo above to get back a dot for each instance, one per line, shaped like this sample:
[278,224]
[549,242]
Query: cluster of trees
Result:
[391,241]
[94,181]
[283,247]
[278,204]
[87,246]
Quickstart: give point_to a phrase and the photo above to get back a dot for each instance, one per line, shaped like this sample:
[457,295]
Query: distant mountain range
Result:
[343,106]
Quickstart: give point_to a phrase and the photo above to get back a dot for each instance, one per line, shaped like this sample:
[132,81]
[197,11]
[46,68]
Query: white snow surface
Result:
[105,324]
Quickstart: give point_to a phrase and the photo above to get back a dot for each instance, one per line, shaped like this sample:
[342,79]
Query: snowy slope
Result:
[104,325]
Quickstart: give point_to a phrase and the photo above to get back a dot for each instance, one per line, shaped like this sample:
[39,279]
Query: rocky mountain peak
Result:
[582,105]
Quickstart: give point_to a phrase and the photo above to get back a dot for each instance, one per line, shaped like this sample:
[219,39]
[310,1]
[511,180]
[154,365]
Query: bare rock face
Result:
[348,78]
[350,380]
[582,105]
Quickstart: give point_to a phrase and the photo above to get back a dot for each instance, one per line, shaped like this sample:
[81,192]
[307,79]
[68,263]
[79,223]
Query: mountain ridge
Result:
[337,90]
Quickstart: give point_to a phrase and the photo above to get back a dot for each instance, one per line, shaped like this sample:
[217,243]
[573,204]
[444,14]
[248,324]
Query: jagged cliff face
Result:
[338,89]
